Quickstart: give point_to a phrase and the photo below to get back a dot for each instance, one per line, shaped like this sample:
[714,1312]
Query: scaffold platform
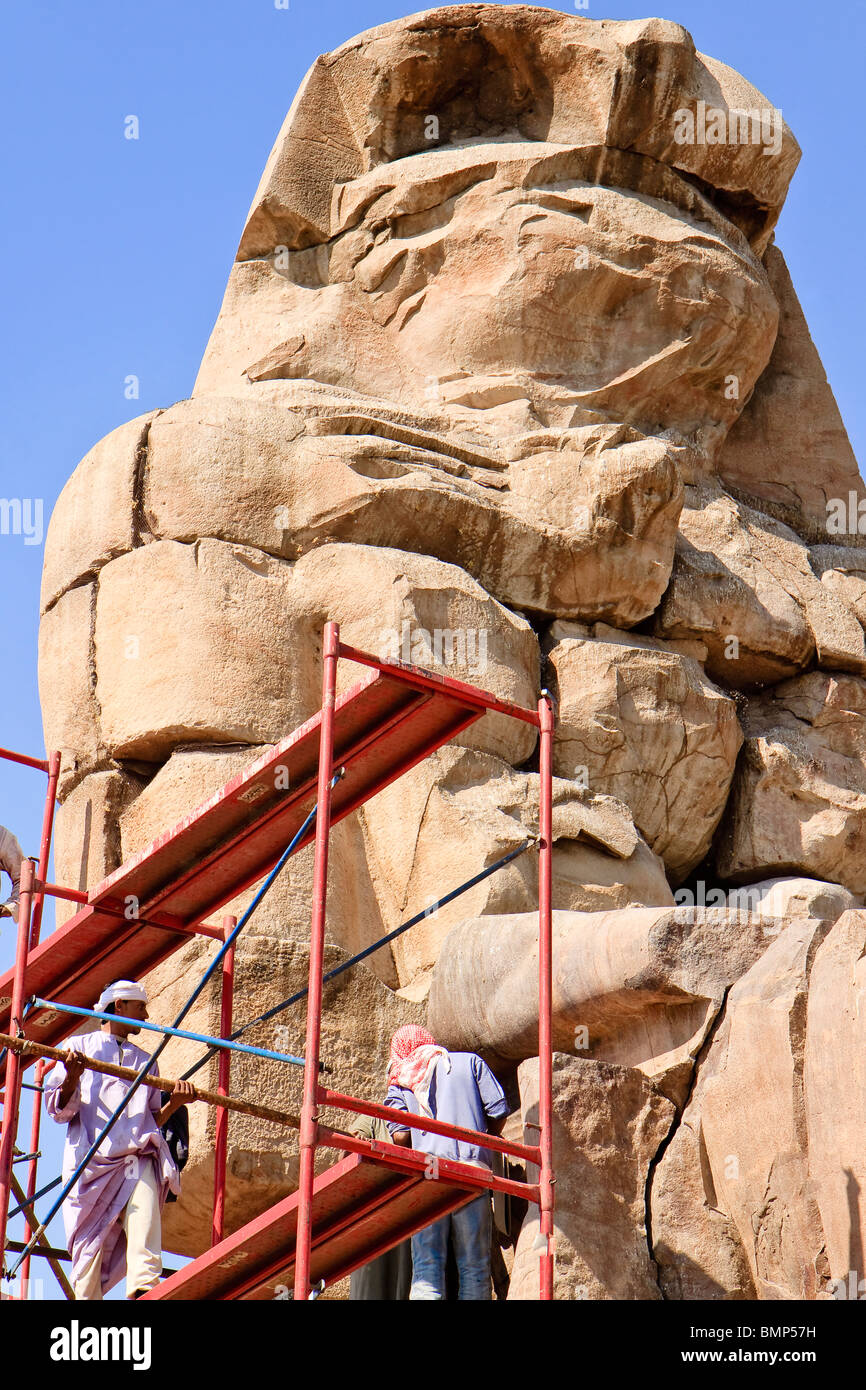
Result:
[387,723]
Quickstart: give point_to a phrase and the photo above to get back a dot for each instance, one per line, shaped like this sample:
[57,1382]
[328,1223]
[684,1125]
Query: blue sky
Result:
[116,251]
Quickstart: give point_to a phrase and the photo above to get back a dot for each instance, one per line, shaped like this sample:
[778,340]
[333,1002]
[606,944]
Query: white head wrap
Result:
[121,989]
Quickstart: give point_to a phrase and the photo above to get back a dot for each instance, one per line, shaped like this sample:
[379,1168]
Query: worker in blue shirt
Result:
[459,1089]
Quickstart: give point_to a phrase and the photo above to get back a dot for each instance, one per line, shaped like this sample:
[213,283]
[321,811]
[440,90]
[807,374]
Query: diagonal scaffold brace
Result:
[148,1065]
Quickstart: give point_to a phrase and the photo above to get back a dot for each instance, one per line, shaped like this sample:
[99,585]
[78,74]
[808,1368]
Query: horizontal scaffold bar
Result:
[49,1251]
[173,1032]
[161,1083]
[39,763]
[446,1169]
[404,1120]
[431,680]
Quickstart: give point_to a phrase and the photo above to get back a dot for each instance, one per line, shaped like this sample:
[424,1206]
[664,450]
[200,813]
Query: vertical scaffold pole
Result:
[41,1068]
[545,991]
[309,1109]
[13,1059]
[221,1134]
[45,845]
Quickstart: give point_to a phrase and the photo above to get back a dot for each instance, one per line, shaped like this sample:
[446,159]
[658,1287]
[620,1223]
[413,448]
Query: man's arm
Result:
[492,1097]
[74,1064]
[183,1094]
[396,1101]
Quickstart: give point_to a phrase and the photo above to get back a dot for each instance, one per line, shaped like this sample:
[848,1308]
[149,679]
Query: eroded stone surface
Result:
[832,1080]
[794,897]
[87,843]
[763,459]
[641,722]
[842,570]
[608,1123]
[70,713]
[799,797]
[483,70]
[188,779]
[743,585]
[219,642]
[589,529]
[461,811]
[96,515]
[749,1133]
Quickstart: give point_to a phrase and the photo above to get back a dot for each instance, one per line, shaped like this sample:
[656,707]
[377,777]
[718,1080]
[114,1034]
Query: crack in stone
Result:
[676,1121]
[140,527]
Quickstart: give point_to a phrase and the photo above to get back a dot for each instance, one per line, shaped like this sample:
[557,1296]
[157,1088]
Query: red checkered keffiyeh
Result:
[414,1054]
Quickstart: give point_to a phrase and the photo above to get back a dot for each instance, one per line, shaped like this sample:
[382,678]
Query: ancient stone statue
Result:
[510,380]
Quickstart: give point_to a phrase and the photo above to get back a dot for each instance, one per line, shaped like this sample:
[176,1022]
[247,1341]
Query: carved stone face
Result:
[568,298]
[583,321]
[515,295]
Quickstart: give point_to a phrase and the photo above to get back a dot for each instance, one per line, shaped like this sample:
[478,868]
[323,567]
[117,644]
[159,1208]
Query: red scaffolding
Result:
[379,1194]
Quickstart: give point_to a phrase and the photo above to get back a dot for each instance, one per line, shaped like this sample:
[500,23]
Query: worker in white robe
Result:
[113,1214]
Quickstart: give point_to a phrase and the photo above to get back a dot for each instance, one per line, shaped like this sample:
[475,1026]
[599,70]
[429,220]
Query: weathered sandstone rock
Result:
[608,1124]
[793,897]
[403,262]
[799,796]
[833,1081]
[842,570]
[87,843]
[743,585]
[540,223]
[483,70]
[757,1193]
[789,454]
[218,642]
[589,530]
[695,1243]
[750,1124]
[95,517]
[189,777]
[70,715]
[639,987]
[641,722]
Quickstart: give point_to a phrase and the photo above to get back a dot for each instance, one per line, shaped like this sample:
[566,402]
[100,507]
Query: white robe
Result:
[91,1212]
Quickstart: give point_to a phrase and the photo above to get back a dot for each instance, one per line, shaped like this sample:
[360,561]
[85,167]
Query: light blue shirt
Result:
[468,1095]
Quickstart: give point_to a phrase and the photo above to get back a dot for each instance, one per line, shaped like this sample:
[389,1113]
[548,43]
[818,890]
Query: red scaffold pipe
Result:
[309,1110]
